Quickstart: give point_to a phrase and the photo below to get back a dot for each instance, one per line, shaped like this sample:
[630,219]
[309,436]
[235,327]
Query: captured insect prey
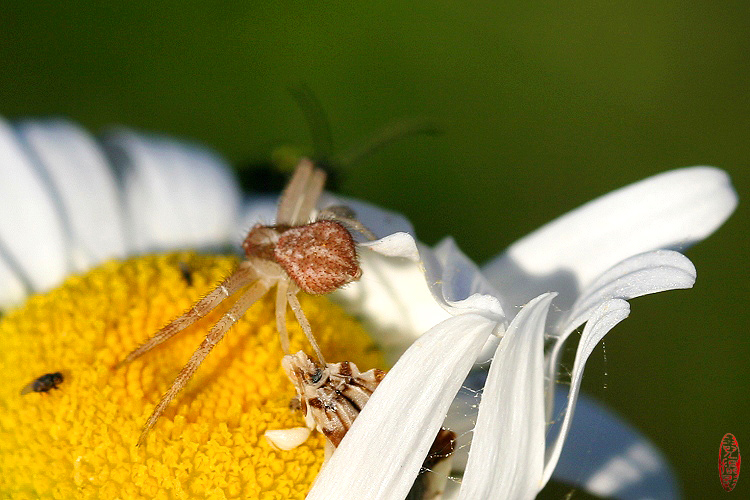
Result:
[331,396]
[296,253]
[44,383]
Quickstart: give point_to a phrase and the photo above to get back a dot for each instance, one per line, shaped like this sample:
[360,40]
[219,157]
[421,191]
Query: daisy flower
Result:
[70,202]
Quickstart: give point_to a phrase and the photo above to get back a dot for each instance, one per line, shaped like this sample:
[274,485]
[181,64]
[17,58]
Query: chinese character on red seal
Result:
[729,462]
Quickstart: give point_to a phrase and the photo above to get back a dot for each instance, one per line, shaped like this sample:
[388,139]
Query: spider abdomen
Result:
[320,257]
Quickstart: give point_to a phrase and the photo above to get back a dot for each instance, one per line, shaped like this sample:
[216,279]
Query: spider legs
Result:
[240,278]
[282,288]
[255,292]
[347,218]
[301,194]
[286,293]
[302,320]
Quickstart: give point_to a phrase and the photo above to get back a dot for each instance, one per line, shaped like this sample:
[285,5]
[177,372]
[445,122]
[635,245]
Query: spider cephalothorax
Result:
[319,257]
[296,253]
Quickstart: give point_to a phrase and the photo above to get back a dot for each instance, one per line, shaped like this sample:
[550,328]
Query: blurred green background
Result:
[542,108]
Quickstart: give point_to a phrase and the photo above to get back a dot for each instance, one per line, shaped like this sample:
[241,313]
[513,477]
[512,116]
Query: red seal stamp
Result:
[729,462]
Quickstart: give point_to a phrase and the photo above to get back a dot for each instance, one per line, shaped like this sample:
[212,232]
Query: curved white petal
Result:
[176,194]
[643,274]
[83,187]
[457,283]
[383,451]
[607,457]
[604,318]
[670,210]
[507,452]
[32,241]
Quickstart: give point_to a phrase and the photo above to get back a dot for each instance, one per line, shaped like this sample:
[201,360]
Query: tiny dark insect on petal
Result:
[44,383]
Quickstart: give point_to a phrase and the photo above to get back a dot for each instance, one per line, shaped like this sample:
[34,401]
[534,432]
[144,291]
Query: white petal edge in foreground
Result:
[669,210]
[382,453]
[642,274]
[507,452]
[605,317]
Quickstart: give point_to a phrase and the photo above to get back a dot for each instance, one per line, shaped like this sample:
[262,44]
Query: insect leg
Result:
[214,336]
[302,320]
[241,277]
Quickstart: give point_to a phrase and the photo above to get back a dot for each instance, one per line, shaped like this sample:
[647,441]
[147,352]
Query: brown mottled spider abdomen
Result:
[320,257]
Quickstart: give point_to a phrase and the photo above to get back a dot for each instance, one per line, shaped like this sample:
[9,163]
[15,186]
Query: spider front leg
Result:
[255,292]
[282,287]
[303,323]
[347,218]
[286,293]
[243,276]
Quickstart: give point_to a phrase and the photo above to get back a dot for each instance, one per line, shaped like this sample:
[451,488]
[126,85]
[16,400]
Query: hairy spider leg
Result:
[282,287]
[346,217]
[302,320]
[243,276]
[252,295]
[301,195]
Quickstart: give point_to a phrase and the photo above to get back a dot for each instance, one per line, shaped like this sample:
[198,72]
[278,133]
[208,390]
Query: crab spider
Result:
[294,254]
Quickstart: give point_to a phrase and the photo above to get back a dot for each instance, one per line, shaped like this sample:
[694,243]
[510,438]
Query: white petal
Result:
[402,245]
[671,210]
[392,297]
[457,283]
[604,318]
[176,194]
[32,241]
[639,275]
[383,451]
[259,209]
[610,459]
[13,289]
[507,452]
[83,186]
[378,220]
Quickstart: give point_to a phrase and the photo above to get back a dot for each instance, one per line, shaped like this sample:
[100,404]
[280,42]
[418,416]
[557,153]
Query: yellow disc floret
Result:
[78,441]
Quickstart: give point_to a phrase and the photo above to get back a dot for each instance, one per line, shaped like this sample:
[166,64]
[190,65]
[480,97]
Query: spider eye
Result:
[316,377]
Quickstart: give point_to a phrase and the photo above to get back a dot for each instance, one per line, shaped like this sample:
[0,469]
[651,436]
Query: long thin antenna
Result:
[387,135]
[317,120]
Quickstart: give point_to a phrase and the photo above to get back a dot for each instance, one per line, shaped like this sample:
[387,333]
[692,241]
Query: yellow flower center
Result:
[78,441]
